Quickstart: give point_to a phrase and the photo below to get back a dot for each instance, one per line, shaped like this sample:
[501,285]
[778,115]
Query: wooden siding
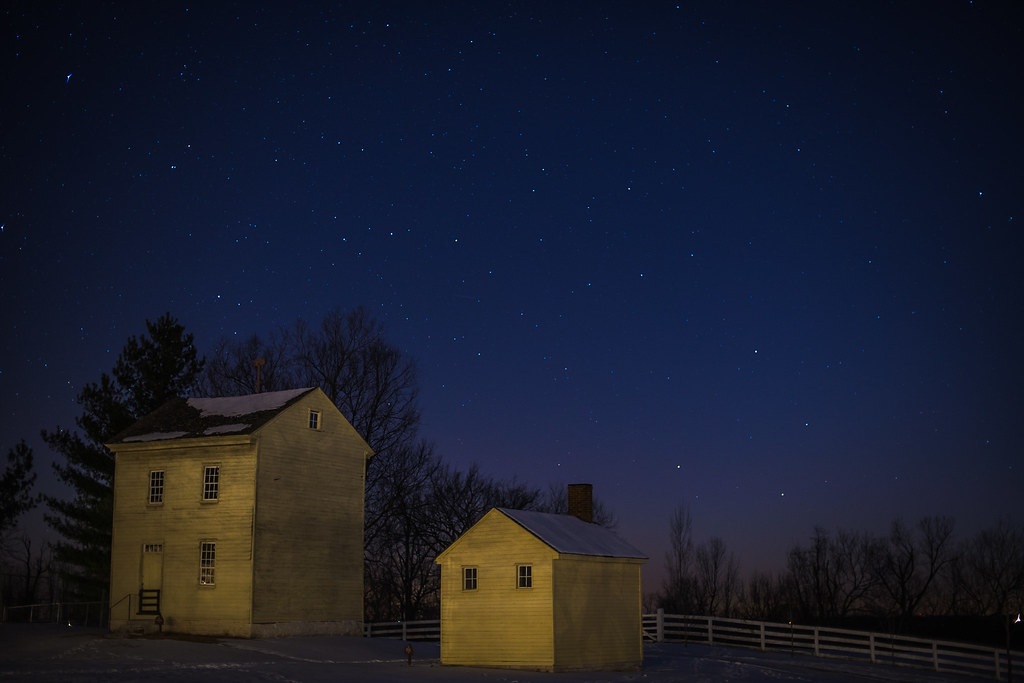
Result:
[179,524]
[497,624]
[309,520]
[597,613]
[288,528]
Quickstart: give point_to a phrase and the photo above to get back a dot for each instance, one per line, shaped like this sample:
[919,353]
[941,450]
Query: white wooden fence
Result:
[819,641]
[427,629]
[816,641]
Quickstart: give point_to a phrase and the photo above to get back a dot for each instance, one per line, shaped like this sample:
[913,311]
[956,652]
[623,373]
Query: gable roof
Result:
[182,418]
[571,535]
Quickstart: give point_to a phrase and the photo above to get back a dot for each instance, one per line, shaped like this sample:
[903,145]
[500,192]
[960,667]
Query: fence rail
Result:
[78,613]
[817,641]
[427,629]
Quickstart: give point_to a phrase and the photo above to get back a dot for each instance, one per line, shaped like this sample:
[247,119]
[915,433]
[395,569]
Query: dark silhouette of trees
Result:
[717,580]
[150,370]
[910,563]
[833,576]
[989,571]
[916,570]
[678,589]
[16,484]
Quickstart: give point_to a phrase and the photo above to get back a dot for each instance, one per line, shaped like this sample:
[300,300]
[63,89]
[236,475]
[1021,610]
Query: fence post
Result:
[871,646]
[660,628]
[999,670]
[403,631]
[935,654]
[817,652]
[711,632]
[762,637]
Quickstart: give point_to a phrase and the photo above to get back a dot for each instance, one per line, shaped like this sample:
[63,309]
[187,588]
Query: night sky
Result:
[763,258]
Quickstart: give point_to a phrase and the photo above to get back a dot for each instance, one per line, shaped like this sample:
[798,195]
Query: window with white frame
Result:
[207,562]
[156,487]
[525,574]
[211,483]
[314,419]
[469,578]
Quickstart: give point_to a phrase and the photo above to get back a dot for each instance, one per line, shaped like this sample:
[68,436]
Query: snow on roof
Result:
[571,535]
[225,429]
[233,406]
[156,436]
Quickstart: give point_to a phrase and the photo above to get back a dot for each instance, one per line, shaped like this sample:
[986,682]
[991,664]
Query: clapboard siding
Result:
[180,524]
[582,612]
[309,522]
[287,524]
[584,599]
[497,624]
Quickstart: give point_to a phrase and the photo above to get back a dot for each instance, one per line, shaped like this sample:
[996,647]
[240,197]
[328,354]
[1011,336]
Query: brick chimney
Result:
[581,501]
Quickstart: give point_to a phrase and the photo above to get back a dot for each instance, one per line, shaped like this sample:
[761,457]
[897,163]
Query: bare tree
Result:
[28,572]
[767,598]
[910,562]
[990,570]
[249,366]
[717,578]
[401,578]
[834,577]
[678,584]
[372,382]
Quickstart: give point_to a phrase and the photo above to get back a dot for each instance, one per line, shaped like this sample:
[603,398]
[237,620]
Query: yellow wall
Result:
[583,612]
[498,624]
[597,613]
[180,523]
[288,528]
[309,520]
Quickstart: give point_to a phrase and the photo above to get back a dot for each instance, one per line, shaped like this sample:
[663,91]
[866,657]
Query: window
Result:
[314,419]
[525,576]
[152,547]
[156,487]
[207,562]
[469,578]
[211,482]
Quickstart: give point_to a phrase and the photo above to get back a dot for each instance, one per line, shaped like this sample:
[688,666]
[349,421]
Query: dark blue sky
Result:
[760,258]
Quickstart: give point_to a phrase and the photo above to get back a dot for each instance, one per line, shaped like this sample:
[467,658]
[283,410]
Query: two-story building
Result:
[239,516]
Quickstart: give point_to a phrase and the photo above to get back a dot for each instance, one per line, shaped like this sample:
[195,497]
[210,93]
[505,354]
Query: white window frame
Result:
[156,489]
[470,575]
[208,563]
[524,576]
[316,419]
[211,485]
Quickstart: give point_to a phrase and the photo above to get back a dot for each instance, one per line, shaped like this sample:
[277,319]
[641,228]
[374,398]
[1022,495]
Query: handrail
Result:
[110,612]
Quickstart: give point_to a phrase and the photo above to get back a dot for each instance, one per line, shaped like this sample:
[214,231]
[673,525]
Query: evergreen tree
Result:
[149,371]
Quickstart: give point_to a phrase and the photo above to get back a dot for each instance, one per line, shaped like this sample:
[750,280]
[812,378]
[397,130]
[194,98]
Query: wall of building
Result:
[597,612]
[178,525]
[309,523]
[498,624]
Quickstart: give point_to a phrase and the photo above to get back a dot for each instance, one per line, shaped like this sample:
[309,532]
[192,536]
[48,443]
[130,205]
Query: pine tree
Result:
[149,371]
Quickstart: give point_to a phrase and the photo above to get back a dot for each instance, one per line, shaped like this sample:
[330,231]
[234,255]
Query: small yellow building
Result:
[532,590]
[239,516]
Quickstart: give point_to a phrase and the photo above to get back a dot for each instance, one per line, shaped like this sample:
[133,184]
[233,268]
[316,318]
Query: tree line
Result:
[915,570]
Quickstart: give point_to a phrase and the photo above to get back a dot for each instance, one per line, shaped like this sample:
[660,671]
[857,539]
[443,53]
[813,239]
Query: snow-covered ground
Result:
[53,654]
